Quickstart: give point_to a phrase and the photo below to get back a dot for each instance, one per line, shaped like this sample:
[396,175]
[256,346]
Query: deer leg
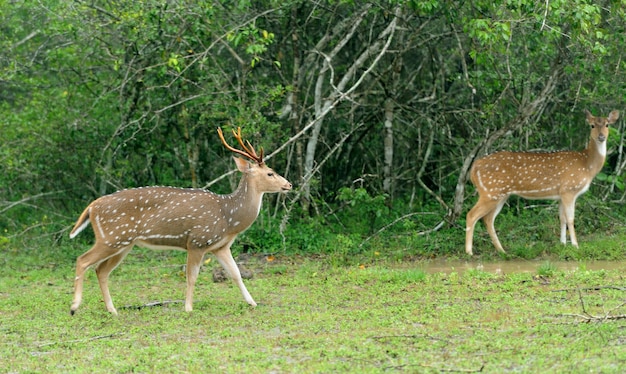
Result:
[567,209]
[103,270]
[482,208]
[194,261]
[563,222]
[489,220]
[99,252]
[227,261]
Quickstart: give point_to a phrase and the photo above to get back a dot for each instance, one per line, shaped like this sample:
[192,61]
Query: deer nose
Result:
[601,137]
[287,187]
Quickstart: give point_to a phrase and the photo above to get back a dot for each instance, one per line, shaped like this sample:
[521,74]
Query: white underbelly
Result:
[145,244]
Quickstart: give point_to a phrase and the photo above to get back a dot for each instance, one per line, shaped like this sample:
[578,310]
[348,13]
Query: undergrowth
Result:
[363,227]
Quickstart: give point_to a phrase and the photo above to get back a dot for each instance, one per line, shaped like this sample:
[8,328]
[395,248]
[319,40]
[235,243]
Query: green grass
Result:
[547,269]
[377,314]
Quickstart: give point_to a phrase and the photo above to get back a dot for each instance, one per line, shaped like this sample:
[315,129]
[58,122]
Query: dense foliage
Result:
[374,110]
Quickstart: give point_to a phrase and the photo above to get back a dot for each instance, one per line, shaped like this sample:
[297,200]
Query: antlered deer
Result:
[194,220]
[561,176]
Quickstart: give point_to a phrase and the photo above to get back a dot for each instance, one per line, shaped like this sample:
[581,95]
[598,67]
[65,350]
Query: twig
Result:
[444,370]
[310,175]
[588,317]
[545,15]
[597,288]
[27,38]
[154,303]
[427,153]
[24,200]
[437,227]
[407,336]
[582,302]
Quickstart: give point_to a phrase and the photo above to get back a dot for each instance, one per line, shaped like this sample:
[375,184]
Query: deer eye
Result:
[270,174]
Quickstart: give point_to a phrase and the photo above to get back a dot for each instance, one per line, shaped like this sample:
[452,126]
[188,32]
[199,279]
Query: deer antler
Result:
[248,149]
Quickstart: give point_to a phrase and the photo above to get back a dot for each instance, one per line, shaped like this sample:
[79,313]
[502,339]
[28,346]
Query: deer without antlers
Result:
[561,176]
[194,220]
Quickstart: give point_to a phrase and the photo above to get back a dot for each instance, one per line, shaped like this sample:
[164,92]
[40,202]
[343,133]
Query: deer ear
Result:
[589,116]
[242,164]
[613,116]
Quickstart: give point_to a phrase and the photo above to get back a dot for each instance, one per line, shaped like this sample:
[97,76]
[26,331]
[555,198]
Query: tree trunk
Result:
[323,105]
[388,147]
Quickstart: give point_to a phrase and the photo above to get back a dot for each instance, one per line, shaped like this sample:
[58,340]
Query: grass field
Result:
[314,316]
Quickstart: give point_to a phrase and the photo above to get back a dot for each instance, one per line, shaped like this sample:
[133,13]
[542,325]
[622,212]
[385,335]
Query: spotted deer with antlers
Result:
[561,176]
[194,220]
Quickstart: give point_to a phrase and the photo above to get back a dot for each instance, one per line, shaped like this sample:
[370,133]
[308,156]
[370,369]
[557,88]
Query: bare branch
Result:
[29,198]
[25,39]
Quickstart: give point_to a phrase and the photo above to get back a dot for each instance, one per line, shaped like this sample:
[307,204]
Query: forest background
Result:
[373,110]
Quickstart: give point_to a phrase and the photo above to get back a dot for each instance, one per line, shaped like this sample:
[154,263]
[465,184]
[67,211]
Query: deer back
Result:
[168,217]
[532,175]
[158,216]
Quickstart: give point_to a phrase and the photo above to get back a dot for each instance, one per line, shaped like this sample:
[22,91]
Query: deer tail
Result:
[83,221]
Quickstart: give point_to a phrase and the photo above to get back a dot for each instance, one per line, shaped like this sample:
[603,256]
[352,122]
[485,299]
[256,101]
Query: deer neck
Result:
[595,155]
[243,204]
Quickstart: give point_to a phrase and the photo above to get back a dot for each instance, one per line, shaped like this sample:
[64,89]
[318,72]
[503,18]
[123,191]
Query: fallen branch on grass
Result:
[597,288]
[588,317]
[152,304]
[443,370]
[407,336]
